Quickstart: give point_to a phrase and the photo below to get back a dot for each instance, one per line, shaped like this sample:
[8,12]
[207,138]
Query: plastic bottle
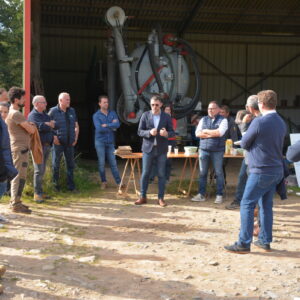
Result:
[228,146]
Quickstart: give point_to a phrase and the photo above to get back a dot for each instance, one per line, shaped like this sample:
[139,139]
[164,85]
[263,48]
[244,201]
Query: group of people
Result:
[39,133]
[262,130]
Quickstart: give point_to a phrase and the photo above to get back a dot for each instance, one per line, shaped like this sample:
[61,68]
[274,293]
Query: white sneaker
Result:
[198,198]
[219,199]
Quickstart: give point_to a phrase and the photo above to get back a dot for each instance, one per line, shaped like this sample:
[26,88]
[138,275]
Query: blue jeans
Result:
[3,188]
[57,152]
[39,171]
[260,188]
[148,159]
[242,180]
[217,161]
[106,151]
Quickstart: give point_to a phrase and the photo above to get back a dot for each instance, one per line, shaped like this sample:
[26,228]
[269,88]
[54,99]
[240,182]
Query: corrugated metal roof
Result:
[257,17]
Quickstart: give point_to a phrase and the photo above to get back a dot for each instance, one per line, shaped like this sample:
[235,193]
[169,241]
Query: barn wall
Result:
[67,56]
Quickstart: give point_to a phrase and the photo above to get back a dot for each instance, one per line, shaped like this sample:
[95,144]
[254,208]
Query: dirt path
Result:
[104,247]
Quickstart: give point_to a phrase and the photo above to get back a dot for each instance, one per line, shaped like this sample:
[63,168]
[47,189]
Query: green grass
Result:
[86,179]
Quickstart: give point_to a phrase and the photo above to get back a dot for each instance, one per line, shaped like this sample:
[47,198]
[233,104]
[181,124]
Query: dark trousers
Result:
[68,152]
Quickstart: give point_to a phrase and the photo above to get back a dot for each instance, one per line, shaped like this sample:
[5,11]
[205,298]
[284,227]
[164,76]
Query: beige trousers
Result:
[20,160]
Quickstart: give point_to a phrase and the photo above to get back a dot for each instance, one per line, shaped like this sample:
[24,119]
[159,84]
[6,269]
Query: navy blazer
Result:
[146,124]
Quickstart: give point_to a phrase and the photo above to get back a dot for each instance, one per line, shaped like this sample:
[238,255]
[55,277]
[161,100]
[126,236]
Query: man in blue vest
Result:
[264,142]
[211,131]
[106,122]
[65,138]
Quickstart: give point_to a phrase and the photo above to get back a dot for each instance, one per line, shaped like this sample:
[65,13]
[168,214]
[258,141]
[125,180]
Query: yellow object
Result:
[228,146]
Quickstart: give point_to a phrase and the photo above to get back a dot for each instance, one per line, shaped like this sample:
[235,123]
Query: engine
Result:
[164,65]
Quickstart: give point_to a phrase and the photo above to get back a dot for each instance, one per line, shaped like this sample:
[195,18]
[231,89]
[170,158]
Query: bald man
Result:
[45,126]
[65,138]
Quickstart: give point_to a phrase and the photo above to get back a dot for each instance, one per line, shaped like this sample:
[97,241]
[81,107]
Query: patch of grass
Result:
[85,177]
[294,188]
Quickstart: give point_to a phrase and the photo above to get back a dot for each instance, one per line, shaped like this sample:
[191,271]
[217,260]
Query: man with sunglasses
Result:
[155,128]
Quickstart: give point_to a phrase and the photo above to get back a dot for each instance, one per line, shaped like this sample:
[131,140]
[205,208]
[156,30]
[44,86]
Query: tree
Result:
[11,42]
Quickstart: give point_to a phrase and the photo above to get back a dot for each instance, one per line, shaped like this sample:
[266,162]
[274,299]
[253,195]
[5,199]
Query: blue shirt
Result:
[264,141]
[105,134]
[45,131]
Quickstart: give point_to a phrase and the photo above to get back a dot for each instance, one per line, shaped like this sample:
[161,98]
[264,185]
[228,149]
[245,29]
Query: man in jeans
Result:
[19,131]
[7,169]
[106,122]
[264,142]
[155,128]
[211,131]
[45,127]
[65,138]
[252,107]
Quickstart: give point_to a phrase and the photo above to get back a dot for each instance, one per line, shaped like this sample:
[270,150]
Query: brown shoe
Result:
[162,203]
[141,201]
[1,289]
[256,229]
[22,209]
[2,270]
[38,198]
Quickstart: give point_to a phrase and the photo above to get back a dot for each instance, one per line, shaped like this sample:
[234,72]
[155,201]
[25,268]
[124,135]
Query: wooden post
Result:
[27,52]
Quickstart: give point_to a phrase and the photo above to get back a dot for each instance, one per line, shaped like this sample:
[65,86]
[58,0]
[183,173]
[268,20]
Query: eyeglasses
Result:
[154,104]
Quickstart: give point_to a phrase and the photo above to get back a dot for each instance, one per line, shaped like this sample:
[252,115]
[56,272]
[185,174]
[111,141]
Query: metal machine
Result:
[160,66]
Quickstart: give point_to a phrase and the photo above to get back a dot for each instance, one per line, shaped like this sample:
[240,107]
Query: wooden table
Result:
[132,162]
[193,167]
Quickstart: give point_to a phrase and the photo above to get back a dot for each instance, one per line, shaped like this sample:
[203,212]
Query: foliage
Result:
[86,180]
[11,42]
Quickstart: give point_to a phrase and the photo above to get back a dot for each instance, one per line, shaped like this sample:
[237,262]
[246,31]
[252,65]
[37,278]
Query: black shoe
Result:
[233,205]
[74,191]
[235,248]
[265,247]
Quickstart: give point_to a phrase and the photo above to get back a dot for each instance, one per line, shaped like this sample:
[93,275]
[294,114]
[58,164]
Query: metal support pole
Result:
[111,74]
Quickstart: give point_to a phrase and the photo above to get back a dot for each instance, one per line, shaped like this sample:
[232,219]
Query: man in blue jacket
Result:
[45,126]
[65,138]
[155,128]
[264,142]
[7,169]
[106,122]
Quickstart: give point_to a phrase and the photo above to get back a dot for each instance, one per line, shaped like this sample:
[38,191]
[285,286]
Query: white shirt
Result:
[156,119]
[268,112]
[222,128]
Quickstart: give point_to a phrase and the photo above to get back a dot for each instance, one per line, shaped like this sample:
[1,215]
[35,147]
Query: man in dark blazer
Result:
[155,128]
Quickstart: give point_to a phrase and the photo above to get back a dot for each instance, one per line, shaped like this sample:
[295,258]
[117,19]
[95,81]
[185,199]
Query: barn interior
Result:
[241,47]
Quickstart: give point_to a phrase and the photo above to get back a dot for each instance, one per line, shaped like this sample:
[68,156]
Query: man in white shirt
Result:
[211,131]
